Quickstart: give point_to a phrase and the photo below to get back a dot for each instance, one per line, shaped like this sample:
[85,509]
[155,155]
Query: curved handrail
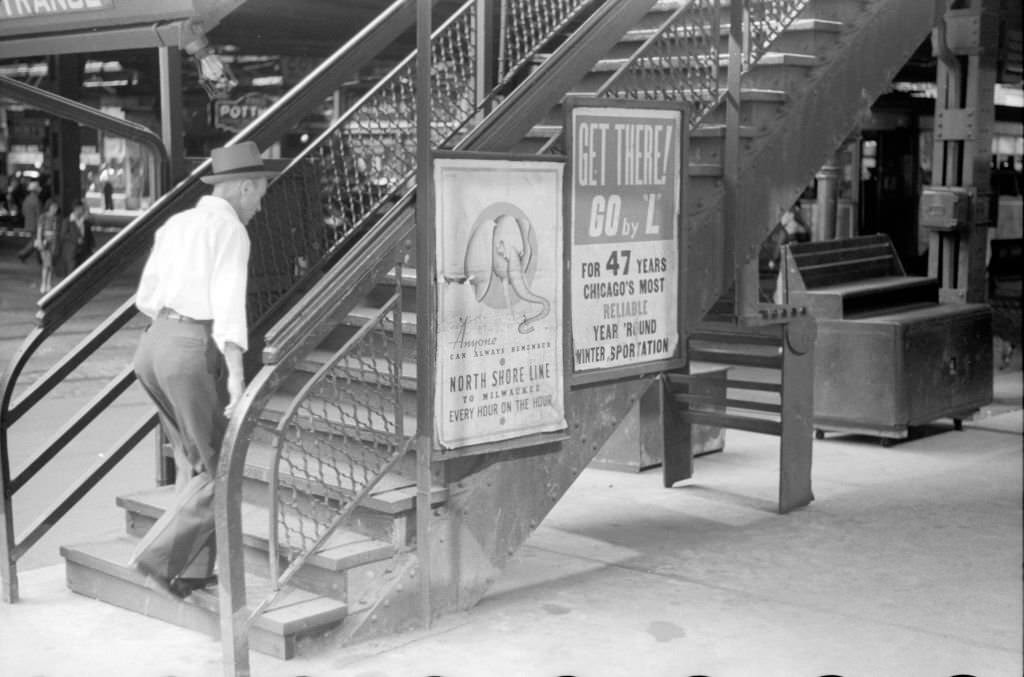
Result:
[293,335]
[87,115]
[280,118]
[98,271]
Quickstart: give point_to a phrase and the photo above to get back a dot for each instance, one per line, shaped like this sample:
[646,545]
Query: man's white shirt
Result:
[199,267]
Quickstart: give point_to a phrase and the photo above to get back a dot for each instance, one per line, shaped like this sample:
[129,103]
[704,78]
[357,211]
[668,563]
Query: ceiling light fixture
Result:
[214,75]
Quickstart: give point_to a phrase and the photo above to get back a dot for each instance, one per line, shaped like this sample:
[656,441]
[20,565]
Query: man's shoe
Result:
[166,587]
[183,587]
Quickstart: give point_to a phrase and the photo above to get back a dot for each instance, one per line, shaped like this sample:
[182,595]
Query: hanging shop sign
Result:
[23,9]
[235,115]
[500,372]
[624,230]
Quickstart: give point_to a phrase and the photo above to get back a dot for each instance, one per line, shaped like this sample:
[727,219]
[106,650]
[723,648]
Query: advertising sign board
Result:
[624,234]
[499,358]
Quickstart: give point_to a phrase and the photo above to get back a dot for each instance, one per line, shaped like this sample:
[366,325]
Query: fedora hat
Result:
[241,161]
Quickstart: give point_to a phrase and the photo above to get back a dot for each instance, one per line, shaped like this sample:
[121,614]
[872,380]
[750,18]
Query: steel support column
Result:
[426,320]
[828,199]
[68,147]
[172,130]
[965,42]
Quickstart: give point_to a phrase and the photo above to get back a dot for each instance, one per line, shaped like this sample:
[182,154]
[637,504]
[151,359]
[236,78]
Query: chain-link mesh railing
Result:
[767,20]
[367,157]
[341,434]
[362,162]
[343,431]
[527,25]
[680,62]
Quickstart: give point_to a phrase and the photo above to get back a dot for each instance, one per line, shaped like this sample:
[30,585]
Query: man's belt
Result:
[168,314]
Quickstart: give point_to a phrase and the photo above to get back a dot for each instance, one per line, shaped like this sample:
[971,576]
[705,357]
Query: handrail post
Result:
[425,319]
[8,562]
[486,49]
[732,260]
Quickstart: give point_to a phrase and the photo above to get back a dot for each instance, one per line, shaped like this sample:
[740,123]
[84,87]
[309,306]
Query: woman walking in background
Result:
[71,239]
[46,243]
[80,214]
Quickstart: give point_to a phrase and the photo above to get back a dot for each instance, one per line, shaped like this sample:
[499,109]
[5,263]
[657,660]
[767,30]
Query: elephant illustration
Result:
[501,248]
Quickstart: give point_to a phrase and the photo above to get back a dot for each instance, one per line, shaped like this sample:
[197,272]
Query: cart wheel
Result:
[958,424]
[887,441]
[819,434]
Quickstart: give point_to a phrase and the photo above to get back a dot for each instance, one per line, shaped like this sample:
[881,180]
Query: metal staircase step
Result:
[344,549]
[373,422]
[313,361]
[767,59]
[99,570]
[361,315]
[802,36]
[393,494]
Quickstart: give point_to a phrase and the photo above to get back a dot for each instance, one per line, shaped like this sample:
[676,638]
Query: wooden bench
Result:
[845,278]
[888,355]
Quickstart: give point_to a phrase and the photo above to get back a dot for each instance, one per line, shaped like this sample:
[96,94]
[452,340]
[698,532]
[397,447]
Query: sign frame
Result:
[677,359]
[548,432]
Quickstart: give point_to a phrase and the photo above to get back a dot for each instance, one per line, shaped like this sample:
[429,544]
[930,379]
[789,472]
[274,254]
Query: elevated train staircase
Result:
[324,544]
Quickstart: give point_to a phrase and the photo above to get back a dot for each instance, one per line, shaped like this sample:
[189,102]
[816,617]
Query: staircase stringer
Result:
[837,95]
[495,502]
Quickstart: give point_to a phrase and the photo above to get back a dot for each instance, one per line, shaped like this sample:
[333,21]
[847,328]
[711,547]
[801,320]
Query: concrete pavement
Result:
[907,563]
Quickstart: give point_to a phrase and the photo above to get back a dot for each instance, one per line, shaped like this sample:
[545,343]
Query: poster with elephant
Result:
[499,241]
[624,230]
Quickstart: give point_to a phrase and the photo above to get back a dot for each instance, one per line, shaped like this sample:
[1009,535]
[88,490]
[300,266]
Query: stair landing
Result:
[98,570]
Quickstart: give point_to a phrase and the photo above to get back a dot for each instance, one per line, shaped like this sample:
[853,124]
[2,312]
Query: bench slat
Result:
[750,424]
[736,359]
[711,400]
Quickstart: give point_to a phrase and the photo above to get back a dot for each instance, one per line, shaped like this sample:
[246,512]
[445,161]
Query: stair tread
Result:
[797,25]
[294,611]
[766,59]
[342,550]
[360,315]
[408,276]
[394,493]
[315,359]
[753,94]
[712,130]
[379,422]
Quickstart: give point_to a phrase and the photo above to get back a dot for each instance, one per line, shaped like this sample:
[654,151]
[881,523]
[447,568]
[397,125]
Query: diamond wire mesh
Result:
[341,437]
[529,24]
[768,20]
[683,61]
[364,160]
[680,64]
[346,429]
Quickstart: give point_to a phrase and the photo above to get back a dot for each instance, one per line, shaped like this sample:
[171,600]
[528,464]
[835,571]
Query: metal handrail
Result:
[87,115]
[297,332]
[97,272]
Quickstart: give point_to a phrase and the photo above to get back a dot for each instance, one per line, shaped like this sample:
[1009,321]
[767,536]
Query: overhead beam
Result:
[44,28]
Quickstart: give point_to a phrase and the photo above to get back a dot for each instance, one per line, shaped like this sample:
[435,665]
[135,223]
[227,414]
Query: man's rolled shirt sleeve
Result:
[228,290]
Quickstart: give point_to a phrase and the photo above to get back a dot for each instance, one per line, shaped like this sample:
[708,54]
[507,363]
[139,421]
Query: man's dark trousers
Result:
[184,373]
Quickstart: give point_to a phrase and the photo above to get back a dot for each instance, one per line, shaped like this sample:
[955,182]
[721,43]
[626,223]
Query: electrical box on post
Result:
[945,208]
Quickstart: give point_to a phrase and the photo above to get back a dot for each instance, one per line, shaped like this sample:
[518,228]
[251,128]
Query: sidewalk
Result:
[907,563]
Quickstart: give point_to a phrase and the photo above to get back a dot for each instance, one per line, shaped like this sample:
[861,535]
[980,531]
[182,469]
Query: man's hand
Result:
[236,386]
[236,377]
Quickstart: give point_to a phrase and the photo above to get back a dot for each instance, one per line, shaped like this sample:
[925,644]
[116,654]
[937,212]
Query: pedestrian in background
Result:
[31,208]
[70,240]
[83,220]
[108,195]
[47,244]
[189,360]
